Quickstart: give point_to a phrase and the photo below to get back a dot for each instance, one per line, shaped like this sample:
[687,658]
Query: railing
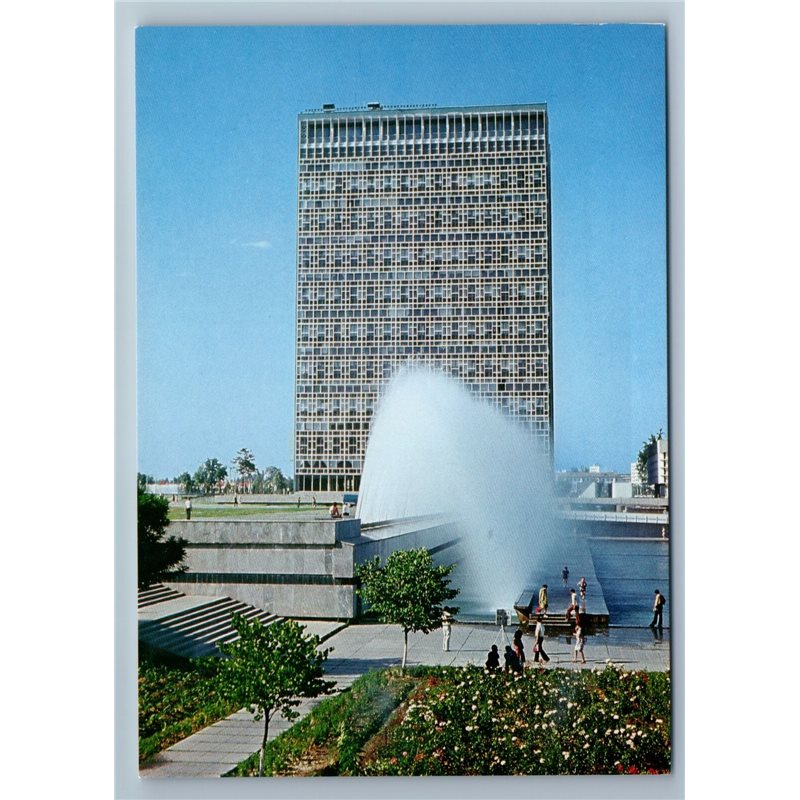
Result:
[618,516]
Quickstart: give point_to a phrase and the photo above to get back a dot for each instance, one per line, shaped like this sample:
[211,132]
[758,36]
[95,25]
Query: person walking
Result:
[188,506]
[539,655]
[580,640]
[565,574]
[519,647]
[658,611]
[447,624]
[543,599]
[582,590]
[572,608]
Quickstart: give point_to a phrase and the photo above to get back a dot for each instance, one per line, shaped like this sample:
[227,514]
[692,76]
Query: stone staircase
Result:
[156,594]
[191,626]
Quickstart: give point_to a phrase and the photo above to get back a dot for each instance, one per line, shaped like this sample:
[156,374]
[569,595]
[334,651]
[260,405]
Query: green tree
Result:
[159,558]
[187,482]
[408,591]
[142,480]
[269,668]
[244,463]
[271,481]
[641,461]
[209,474]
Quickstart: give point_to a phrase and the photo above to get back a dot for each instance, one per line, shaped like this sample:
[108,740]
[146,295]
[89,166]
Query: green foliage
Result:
[408,591]
[271,481]
[550,722]
[244,463]
[187,482]
[466,721]
[209,474]
[158,557]
[334,732]
[174,703]
[269,668]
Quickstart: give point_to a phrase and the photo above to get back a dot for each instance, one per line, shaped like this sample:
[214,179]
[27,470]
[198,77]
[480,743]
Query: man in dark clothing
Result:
[493,659]
[512,661]
[658,610]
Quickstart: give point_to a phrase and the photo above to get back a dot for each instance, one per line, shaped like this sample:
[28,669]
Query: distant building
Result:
[595,468]
[164,488]
[658,466]
[591,484]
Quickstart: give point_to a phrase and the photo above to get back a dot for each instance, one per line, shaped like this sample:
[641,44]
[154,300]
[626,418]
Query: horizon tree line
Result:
[213,477]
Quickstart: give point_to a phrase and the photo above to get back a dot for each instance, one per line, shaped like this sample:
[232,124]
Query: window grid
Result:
[423,236]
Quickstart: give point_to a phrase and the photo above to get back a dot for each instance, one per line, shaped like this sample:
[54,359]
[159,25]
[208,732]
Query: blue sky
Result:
[216,202]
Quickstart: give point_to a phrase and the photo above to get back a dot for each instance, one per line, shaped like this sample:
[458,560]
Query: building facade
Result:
[423,237]
[658,466]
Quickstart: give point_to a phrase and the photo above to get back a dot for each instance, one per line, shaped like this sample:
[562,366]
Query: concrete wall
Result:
[291,567]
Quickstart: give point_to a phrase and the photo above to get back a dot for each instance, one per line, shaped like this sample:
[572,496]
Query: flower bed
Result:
[465,721]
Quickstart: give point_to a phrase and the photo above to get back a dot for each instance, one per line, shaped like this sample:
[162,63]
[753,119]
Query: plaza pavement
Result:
[215,750]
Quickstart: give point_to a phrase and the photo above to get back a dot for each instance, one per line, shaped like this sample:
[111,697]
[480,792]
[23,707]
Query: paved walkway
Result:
[360,648]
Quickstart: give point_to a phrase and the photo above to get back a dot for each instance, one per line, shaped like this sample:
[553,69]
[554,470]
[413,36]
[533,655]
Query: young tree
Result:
[159,558]
[244,464]
[408,591]
[269,668]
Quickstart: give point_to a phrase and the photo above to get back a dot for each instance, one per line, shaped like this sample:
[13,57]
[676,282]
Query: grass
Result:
[175,702]
[216,512]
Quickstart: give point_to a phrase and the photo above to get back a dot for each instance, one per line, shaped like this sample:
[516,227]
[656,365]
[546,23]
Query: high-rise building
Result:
[423,236]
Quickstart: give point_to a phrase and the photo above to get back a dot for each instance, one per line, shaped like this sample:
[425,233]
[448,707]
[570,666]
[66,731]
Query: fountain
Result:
[435,449]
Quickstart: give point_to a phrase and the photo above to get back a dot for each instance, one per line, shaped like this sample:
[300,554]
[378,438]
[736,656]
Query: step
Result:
[154,595]
[225,626]
[204,606]
[192,626]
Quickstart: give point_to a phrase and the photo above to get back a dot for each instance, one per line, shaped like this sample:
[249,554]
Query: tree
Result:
[187,482]
[644,452]
[269,668]
[209,474]
[244,463]
[408,591]
[271,481]
[142,480]
[159,558]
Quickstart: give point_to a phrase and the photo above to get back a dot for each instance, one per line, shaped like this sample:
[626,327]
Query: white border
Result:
[128,17]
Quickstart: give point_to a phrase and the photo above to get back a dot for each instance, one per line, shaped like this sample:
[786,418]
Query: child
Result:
[579,642]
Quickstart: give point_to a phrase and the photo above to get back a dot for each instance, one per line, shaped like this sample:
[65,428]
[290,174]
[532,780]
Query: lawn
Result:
[465,721]
[215,512]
